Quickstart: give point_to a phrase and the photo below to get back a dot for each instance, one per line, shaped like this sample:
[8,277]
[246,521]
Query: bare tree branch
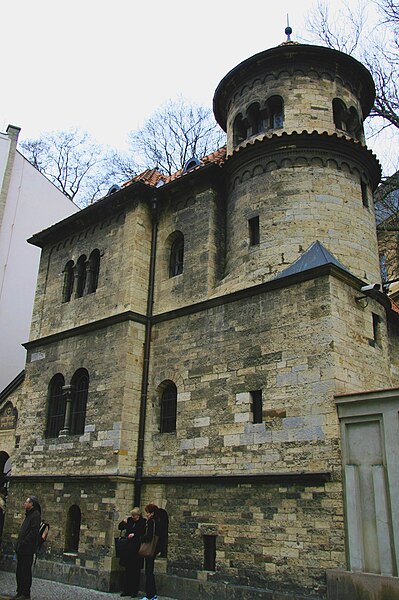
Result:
[175,133]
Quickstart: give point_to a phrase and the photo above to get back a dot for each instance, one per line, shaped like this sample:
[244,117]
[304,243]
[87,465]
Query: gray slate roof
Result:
[315,256]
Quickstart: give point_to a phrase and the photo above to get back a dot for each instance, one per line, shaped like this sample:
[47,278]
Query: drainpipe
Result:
[146,362]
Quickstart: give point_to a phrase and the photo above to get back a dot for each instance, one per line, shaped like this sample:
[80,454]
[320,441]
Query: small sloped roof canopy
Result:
[315,256]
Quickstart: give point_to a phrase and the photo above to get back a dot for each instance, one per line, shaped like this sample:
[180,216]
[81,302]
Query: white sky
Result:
[106,66]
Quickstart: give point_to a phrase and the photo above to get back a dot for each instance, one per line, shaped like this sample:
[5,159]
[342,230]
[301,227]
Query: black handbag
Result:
[121,546]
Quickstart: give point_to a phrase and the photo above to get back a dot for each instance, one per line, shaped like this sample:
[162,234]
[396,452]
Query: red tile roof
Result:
[152,177]
[394,306]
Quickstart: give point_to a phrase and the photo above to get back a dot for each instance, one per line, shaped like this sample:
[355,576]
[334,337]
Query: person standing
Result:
[134,526]
[26,547]
[151,511]
[2,511]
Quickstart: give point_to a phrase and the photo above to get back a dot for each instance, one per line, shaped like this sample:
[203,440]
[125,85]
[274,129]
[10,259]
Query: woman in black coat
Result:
[134,526]
[151,513]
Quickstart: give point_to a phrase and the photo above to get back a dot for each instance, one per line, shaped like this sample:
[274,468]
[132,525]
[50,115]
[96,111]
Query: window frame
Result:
[56,397]
[168,408]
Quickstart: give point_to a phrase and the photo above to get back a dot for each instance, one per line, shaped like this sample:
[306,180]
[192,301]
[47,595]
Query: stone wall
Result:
[113,358]
[124,243]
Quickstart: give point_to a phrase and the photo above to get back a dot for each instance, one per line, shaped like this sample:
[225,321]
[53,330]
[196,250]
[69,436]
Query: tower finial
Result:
[288,29]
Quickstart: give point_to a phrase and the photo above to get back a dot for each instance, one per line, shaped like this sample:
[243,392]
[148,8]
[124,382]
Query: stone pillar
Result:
[67,393]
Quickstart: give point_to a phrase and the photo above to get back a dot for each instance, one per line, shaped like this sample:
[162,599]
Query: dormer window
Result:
[191,164]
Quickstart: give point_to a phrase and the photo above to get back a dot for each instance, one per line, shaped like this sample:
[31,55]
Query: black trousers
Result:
[24,573]
[150,589]
[131,582]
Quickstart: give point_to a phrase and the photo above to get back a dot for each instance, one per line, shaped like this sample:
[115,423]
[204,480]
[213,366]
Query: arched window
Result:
[340,114]
[80,276]
[93,270]
[240,130]
[80,390]
[72,531]
[68,281]
[168,408]
[191,163]
[176,255]
[56,406]
[274,113]
[254,119]
[354,125]
[5,471]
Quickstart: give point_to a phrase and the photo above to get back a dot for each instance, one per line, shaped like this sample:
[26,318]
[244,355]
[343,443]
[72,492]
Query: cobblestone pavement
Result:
[43,589]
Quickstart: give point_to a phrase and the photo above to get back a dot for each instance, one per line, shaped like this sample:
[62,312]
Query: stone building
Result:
[216,342]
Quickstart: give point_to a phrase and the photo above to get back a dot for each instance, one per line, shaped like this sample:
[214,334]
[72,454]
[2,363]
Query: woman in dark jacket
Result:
[134,526]
[151,511]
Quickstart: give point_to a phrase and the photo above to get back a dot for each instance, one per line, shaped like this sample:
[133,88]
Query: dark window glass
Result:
[253,228]
[240,130]
[80,276]
[72,532]
[93,270]
[340,114]
[254,119]
[68,282]
[176,256]
[257,408]
[365,197]
[209,552]
[80,389]
[56,407]
[275,112]
[376,330]
[168,408]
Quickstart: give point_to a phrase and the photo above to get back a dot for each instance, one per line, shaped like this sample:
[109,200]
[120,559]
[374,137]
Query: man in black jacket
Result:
[26,547]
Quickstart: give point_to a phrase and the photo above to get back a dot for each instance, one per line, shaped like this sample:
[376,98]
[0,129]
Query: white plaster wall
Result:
[33,204]
[4,150]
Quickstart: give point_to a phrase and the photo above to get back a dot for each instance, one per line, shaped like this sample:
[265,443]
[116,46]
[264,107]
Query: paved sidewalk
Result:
[43,589]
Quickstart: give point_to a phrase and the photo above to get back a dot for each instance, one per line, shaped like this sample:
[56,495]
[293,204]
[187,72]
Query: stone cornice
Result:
[288,59]
[274,284]
[128,315]
[301,477]
[303,149]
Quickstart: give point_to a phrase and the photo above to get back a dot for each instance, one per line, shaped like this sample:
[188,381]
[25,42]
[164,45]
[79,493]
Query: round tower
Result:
[297,166]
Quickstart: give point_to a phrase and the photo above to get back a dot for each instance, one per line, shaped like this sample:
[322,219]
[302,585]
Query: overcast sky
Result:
[105,66]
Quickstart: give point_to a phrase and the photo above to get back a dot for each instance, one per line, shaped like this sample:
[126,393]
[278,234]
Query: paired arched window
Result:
[66,414]
[168,407]
[72,530]
[83,277]
[347,119]
[176,257]
[259,118]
